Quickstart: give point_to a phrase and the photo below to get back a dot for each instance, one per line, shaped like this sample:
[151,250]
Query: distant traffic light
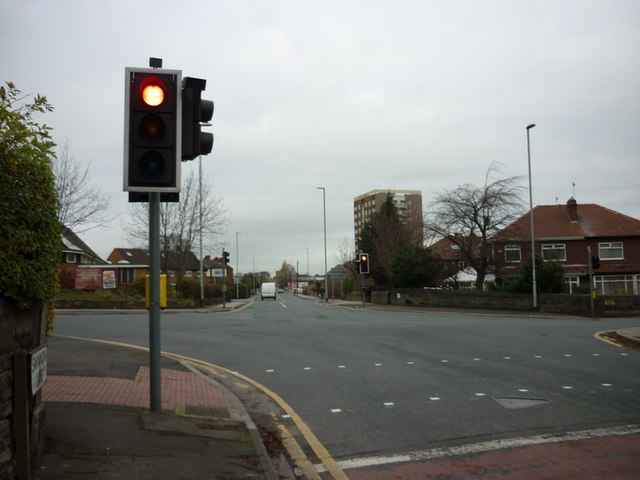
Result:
[225,257]
[363,263]
[195,111]
[595,262]
[152,132]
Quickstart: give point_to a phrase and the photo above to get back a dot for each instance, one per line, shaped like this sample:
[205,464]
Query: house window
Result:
[71,258]
[512,253]
[554,252]
[573,282]
[614,284]
[125,276]
[610,251]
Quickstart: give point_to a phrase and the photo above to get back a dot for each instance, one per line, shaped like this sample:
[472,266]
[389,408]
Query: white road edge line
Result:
[486,447]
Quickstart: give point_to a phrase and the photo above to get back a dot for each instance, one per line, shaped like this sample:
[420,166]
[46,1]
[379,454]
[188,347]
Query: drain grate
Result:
[520,402]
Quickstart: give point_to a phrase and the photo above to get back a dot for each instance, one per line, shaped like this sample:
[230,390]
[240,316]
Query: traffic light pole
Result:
[154,304]
[592,292]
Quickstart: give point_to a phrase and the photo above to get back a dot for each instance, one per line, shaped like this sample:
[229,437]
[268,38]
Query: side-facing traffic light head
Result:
[195,111]
[225,257]
[152,137]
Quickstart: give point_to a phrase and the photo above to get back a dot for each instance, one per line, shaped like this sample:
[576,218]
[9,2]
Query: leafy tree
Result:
[381,236]
[413,267]
[468,215]
[286,274]
[30,242]
[549,277]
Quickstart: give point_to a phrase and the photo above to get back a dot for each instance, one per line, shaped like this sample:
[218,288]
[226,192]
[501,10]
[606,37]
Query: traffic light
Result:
[363,263]
[152,130]
[595,262]
[195,111]
[225,257]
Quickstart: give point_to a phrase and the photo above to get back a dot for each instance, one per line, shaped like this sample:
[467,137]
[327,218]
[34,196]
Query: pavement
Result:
[98,424]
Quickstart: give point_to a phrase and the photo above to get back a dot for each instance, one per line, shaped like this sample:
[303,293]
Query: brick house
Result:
[131,263]
[134,262]
[563,233]
[455,270]
[80,266]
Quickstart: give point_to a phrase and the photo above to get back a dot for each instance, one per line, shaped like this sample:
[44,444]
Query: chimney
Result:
[572,209]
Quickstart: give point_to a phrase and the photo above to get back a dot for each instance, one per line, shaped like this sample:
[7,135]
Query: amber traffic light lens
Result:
[152,128]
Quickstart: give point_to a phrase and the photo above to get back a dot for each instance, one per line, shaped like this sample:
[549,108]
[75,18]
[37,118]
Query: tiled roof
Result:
[446,249]
[140,256]
[554,221]
[74,244]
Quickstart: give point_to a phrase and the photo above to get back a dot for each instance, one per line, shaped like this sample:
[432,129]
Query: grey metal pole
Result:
[591,289]
[324,213]
[200,206]
[155,388]
[533,250]
[237,267]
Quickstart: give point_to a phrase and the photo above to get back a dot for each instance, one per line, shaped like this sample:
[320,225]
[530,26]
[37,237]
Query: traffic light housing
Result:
[363,263]
[595,262]
[152,130]
[195,111]
[225,257]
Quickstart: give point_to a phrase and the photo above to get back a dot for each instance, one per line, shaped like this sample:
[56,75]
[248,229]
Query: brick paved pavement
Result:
[179,389]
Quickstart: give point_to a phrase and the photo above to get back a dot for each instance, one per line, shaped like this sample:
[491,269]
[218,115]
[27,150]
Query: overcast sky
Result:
[347,95]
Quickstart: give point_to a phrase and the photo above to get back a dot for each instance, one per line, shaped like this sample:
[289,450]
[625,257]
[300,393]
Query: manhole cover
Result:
[520,402]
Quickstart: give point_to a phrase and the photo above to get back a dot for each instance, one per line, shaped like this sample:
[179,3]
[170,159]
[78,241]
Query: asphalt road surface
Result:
[394,394]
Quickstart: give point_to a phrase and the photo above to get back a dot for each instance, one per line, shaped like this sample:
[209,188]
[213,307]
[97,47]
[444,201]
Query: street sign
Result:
[38,361]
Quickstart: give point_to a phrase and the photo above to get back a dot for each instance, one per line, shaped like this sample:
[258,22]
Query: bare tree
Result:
[180,221]
[468,215]
[346,254]
[82,206]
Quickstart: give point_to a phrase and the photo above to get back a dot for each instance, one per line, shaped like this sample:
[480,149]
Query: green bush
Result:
[30,245]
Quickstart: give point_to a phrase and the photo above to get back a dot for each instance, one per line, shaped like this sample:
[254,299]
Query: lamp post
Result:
[237,267]
[324,212]
[534,287]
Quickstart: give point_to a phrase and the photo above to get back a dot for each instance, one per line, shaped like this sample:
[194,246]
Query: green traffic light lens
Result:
[151,165]
[152,128]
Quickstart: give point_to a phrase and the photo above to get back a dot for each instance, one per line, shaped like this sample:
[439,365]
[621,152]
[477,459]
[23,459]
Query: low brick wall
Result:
[604,306]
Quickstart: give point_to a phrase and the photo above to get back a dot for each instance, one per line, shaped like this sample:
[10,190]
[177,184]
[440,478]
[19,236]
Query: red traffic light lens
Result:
[152,91]
[363,258]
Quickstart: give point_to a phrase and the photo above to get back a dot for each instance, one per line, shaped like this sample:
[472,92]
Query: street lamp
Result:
[533,255]
[324,211]
[238,267]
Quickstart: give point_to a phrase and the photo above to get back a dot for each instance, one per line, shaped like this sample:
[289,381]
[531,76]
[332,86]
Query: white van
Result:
[268,290]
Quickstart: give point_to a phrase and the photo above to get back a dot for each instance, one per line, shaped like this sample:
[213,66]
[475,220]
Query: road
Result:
[381,388]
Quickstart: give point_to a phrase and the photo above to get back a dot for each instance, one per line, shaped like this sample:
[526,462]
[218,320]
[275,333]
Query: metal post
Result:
[154,303]
[533,249]
[224,281]
[237,267]
[201,260]
[591,289]
[324,213]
